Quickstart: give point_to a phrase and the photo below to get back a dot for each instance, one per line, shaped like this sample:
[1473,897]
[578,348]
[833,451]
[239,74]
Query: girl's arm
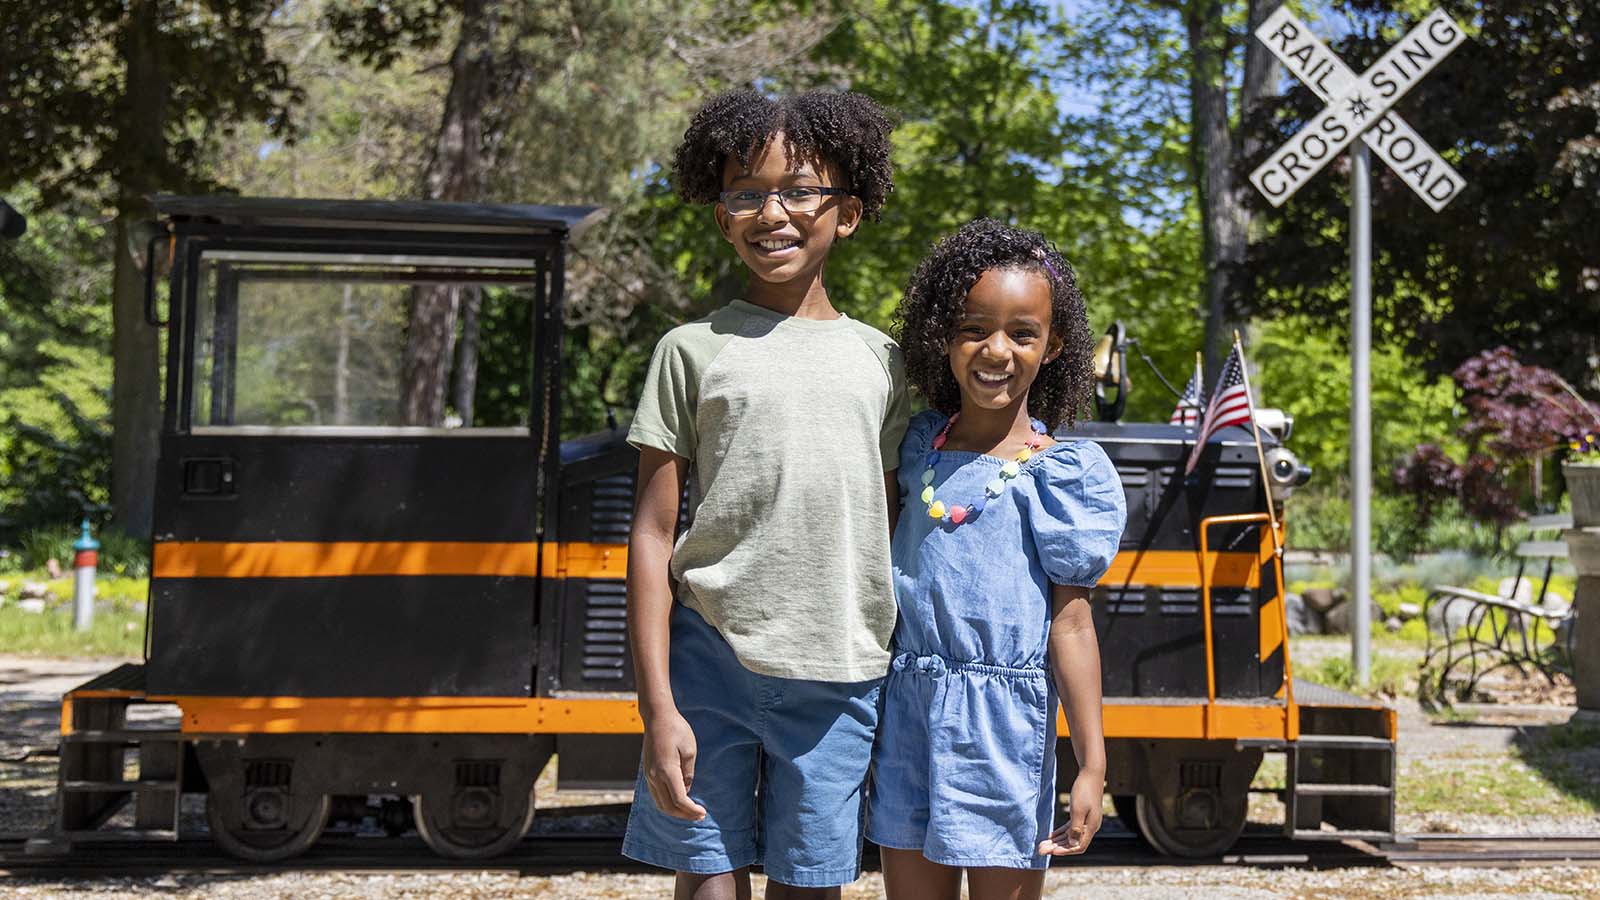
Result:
[1075,663]
[669,744]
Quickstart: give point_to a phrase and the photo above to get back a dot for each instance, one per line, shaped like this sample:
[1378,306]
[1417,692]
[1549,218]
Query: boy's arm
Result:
[669,744]
[1075,663]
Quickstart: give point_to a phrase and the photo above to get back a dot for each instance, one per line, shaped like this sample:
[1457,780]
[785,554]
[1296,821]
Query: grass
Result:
[1394,665]
[116,632]
[1540,784]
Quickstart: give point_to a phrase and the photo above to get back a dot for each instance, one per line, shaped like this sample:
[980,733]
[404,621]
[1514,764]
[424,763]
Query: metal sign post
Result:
[1359,107]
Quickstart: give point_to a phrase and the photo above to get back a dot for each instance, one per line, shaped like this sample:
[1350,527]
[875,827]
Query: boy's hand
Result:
[669,752]
[1074,837]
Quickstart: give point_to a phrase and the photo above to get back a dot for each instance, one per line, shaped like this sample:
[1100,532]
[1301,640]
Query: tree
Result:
[1516,415]
[121,101]
[1512,260]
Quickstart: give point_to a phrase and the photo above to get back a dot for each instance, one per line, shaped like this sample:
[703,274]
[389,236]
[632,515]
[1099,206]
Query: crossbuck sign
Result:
[1359,106]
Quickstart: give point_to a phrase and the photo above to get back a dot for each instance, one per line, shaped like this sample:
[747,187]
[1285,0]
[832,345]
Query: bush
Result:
[41,545]
[124,555]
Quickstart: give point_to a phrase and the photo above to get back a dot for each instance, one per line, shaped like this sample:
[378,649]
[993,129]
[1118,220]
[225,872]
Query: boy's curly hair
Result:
[936,298]
[849,130]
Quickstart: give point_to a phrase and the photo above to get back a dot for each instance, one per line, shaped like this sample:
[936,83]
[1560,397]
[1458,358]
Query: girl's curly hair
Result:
[849,130]
[936,298]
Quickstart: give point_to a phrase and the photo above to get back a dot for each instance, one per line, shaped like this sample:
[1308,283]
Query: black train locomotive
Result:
[355,597]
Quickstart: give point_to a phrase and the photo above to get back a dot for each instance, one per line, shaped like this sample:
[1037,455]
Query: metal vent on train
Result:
[605,630]
[611,509]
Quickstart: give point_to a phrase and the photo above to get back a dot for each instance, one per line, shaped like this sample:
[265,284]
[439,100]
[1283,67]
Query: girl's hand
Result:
[669,752]
[1074,837]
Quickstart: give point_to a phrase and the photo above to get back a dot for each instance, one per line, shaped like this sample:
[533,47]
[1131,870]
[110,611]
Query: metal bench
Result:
[1495,632]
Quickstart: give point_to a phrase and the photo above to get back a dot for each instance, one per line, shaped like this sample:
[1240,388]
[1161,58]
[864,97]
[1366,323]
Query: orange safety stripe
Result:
[573,559]
[543,715]
[312,559]
[407,715]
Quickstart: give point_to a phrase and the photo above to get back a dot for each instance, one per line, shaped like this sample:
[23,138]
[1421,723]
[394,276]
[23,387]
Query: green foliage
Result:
[75,117]
[1391,675]
[1514,111]
[1305,371]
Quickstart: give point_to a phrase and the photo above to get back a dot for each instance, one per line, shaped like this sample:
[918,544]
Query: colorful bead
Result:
[1010,469]
[927,476]
[1024,455]
[936,510]
[1038,426]
[933,457]
[980,504]
[995,487]
[927,494]
[958,514]
[938,442]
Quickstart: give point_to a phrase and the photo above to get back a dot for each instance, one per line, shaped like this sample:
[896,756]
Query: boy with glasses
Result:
[759,682]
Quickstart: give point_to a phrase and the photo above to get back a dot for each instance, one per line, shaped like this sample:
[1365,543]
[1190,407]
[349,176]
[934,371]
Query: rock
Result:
[1339,617]
[1322,599]
[1302,618]
[1447,614]
[53,567]
[34,590]
[1392,623]
[1410,610]
[1553,601]
[31,604]
[1518,589]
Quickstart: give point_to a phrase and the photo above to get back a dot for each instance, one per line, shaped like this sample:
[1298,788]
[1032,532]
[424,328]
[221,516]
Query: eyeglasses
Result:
[795,199]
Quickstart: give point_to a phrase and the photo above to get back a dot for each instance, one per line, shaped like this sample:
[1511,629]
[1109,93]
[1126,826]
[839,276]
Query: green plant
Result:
[124,555]
[41,545]
[1390,675]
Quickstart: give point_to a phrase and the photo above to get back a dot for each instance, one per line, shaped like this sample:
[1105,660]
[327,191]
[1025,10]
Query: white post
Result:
[1361,412]
[86,558]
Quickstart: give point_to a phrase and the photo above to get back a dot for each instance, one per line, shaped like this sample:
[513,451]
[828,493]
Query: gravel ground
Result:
[1176,883]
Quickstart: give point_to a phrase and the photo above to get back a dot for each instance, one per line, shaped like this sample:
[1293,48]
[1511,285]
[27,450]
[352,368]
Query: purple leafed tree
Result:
[1516,415]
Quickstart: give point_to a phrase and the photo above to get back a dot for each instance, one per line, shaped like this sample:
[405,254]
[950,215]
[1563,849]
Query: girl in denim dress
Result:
[1002,534]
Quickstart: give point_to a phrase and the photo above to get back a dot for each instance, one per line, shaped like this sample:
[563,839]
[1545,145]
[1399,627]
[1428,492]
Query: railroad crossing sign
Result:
[1358,106]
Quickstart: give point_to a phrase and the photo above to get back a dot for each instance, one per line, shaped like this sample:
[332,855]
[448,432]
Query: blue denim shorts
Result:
[780,769]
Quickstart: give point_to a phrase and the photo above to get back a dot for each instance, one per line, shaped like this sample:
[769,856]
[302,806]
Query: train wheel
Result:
[471,823]
[265,825]
[1200,824]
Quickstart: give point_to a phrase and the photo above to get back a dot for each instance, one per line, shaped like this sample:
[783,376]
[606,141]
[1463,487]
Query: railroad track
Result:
[556,853]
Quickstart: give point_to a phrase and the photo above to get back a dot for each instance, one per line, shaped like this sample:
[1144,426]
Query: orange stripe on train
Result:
[325,559]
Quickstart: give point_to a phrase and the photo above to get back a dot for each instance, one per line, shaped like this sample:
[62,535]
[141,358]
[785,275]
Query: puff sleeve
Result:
[1078,521]
[919,435]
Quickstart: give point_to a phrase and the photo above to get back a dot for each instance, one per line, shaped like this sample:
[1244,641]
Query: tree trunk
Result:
[467,355]
[1214,150]
[341,362]
[140,159]
[455,172]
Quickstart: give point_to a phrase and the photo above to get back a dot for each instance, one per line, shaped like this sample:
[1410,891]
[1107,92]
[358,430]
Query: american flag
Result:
[1187,412]
[1230,405]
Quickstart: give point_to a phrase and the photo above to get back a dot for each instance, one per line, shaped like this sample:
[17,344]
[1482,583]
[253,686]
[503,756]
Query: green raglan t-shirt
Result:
[788,425]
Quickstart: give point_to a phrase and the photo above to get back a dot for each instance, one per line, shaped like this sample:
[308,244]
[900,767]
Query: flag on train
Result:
[1230,405]
[1187,412]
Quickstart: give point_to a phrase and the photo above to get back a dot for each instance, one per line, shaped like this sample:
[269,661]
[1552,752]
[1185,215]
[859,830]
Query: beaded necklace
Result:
[957,513]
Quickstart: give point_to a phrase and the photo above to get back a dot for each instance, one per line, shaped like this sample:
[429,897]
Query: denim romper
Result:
[964,764]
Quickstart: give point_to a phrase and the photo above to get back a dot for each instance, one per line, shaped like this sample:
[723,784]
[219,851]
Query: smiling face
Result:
[1003,338]
[782,247]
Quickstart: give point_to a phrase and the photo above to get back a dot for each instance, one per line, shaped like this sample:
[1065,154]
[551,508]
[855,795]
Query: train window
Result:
[292,341]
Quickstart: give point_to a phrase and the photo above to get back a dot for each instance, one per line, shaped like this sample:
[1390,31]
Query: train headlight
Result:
[1285,472]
